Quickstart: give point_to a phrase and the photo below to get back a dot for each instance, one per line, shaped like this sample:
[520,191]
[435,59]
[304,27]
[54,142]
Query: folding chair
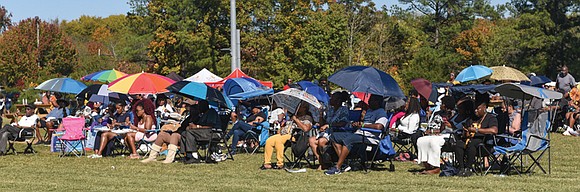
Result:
[73,137]
[297,154]
[403,145]
[147,145]
[534,140]
[380,148]
[27,135]
[217,141]
[256,137]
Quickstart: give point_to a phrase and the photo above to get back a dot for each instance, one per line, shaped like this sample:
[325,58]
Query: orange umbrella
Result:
[141,83]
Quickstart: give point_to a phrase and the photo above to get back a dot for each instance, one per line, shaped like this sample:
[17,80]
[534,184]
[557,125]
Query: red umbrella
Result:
[423,86]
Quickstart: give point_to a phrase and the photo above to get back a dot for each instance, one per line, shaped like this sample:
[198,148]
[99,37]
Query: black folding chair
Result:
[297,153]
[27,135]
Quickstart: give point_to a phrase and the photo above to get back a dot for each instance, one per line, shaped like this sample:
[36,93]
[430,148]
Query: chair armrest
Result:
[371,130]
[507,137]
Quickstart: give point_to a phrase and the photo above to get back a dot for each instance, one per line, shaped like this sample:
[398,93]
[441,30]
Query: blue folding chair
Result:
[534,140]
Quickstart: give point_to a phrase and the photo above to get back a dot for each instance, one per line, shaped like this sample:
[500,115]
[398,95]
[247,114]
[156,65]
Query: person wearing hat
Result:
[11,131]
[51,120]
[240,127]
[479,129]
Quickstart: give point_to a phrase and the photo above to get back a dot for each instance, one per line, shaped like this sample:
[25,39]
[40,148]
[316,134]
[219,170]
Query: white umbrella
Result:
[291,99]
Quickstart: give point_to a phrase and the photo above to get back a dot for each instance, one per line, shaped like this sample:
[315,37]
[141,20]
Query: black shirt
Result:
[121,118]
[488,121]
[209,118]
[254,116]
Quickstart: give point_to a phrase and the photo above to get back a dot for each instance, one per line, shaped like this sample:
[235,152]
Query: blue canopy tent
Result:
[244,88]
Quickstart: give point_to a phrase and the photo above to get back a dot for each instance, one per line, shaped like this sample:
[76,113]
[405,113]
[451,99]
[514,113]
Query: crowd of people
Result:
[457,123]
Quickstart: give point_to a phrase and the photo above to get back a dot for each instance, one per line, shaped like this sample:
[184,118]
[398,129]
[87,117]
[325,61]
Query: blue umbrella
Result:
[367,80]
[315,90]
[539,80]
[200,91]
[245,88]
[473,72]
[62,85]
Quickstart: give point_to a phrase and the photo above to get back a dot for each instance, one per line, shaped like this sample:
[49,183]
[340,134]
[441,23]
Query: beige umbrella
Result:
[503,73]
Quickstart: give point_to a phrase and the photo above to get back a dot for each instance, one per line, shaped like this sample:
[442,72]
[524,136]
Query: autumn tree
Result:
[22,60]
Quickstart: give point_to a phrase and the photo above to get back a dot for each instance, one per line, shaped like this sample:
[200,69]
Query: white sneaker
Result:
[566,133]
[94,156]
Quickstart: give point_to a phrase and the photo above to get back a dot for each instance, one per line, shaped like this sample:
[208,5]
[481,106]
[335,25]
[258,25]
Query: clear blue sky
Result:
[73,9]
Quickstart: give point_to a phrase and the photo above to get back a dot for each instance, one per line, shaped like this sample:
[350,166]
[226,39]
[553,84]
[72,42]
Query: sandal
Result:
[134,156]
[263,167]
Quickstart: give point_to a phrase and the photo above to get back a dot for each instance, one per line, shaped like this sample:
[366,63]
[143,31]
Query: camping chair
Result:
[298,150]
[28,135]
[217,141]
[144,147]
[534,140]
[379,148]
[256,137]
[73,137]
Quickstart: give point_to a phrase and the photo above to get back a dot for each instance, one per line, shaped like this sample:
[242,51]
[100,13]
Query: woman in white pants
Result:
[429,147]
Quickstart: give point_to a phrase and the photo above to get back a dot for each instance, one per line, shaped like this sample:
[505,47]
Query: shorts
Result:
[149,137]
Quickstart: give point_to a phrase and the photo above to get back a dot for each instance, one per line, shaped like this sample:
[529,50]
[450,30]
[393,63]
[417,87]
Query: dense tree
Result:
[23,61]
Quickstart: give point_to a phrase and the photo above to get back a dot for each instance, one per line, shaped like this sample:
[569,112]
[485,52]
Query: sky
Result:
[73,9]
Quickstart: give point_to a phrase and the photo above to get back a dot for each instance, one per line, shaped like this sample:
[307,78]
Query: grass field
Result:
[45,171]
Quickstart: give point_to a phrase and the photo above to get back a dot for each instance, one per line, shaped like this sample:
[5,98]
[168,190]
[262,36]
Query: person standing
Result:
[565,81]
[288,86]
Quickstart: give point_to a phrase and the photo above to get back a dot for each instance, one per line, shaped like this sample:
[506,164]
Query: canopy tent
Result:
[236,74]
[245,88]
[204,76]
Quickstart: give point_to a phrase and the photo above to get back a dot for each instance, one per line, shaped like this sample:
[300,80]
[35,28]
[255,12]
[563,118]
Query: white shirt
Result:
[409,123]
[28,121]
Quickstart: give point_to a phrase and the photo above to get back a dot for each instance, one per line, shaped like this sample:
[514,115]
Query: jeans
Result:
[238,130]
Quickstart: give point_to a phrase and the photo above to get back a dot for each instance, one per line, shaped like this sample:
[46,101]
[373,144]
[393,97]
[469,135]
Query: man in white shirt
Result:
[11,131]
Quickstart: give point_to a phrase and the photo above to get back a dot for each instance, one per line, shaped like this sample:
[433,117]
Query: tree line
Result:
[298,39]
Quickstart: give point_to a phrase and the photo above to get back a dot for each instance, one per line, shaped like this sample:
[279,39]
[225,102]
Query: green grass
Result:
[45,171]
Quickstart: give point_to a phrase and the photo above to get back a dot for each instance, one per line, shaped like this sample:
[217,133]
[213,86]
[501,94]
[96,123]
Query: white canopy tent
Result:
[204,76]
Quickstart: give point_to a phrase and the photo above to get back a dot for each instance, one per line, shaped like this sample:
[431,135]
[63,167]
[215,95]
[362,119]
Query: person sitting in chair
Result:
[240,127]
[50,122]
[171,134]
[336,117]
[199,129]
[11,131]
[476,132]
[375,118]
[300,121]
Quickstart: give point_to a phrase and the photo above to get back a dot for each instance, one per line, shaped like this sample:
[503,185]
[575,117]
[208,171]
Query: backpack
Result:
[448,170]
[386,146]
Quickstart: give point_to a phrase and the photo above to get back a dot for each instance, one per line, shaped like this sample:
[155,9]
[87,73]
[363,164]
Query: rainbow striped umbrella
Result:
[141,83]
[105,76]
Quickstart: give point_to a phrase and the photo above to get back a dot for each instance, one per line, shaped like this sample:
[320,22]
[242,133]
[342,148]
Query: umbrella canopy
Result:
[291,99]
[504,73]
[473,72]
[519,91]
[200,91]
[174,76]
[367,80]
[393,103]
[105,76]
[315,90]
[423,86]
[62,85]
[141,83]
[100,93]
[539,80]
